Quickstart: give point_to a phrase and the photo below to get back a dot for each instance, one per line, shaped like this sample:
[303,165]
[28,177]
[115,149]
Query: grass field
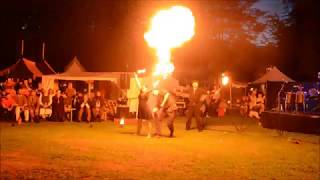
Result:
[67,150]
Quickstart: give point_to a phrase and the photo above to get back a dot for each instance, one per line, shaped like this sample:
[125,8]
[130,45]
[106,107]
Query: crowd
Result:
[253,104]
[25,101]
[29,102]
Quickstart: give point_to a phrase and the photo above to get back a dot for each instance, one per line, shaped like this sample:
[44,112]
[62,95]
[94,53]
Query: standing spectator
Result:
[21,106]
[98,105]
[58,107]
[76,102]
[33,105]
[30,83]
[45,101]
[85,106]
[70,93]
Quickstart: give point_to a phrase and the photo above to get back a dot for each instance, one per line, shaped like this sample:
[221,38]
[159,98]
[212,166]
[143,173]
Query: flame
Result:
[122,122]
[156,84]
[169,29]
[225,80]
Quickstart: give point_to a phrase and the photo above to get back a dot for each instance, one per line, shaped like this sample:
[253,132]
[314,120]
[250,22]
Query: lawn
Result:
[50,150]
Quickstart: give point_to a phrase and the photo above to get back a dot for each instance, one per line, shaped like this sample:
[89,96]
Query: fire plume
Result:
[170,28]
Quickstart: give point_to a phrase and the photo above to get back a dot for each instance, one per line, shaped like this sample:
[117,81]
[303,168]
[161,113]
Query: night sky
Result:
[237,36]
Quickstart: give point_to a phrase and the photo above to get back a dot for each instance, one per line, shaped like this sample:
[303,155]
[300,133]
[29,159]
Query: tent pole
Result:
[43,49]
[22,47]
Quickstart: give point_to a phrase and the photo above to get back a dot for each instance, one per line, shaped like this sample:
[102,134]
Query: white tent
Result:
[132,93]
[74,66]
[273,74]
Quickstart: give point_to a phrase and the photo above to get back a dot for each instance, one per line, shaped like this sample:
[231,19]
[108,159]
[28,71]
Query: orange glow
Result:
[169,29]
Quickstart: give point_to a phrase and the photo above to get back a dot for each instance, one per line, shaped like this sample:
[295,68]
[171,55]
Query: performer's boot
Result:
[171,131]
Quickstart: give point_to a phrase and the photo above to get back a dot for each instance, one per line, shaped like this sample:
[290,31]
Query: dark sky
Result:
[105,35]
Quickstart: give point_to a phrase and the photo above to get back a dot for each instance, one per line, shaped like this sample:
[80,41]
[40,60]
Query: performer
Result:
[153,108]
[143,113]
[194,106]
[169,107]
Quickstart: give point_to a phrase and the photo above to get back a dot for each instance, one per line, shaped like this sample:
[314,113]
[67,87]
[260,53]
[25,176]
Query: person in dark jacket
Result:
[194,106]
[58,107]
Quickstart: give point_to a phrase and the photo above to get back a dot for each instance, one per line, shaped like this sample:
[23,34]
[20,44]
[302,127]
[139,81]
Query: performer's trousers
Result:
[139,125]
[194,111]
[157,123]
[170,121]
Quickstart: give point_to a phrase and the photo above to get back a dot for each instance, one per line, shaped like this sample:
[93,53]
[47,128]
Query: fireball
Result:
[169,29]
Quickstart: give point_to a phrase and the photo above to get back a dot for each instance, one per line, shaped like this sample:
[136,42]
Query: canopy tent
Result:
[273,74]
[74,66]
[25,68]
[236,84]
[45,67]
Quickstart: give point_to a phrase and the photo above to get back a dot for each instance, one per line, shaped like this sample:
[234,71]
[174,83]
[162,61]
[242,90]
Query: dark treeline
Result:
[108,36]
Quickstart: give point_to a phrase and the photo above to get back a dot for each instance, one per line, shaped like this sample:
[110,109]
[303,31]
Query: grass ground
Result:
[105,151]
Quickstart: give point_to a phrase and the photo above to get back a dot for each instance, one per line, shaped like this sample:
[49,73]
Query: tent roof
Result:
[45,67]
[273,74]
[74,66]
[86,76]
[23,68]
[237,84]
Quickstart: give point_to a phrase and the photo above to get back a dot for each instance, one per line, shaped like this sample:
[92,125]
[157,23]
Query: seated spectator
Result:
[85,106]
[110,108]
[98,106]
[33,106]
[244,106]
[260,103]
[253,107]
[58,107]
[45,101]
[21,106]
[9,86]
[7,107]
[222,108]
